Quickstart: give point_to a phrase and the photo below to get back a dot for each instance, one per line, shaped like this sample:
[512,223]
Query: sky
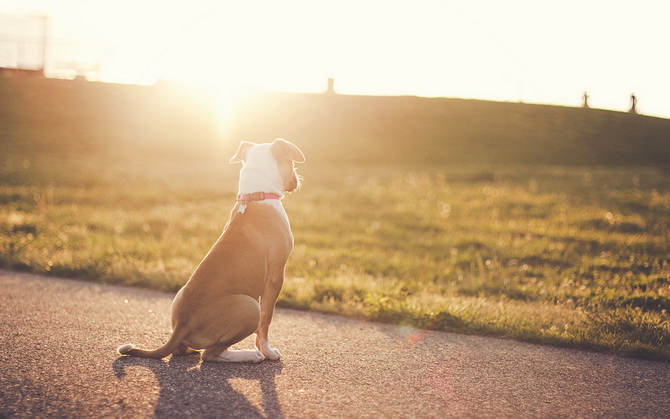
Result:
[533,51]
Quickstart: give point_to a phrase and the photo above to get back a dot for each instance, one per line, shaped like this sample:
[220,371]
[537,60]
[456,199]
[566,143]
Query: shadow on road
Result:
[191,388]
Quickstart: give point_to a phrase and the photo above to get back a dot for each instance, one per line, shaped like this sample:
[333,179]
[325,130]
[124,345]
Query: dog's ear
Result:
[288,150]
[239,156]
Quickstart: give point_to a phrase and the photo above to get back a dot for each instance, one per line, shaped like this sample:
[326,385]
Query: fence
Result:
[23,42]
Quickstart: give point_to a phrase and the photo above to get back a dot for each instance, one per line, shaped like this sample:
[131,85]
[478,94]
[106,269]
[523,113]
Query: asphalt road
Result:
[58,359]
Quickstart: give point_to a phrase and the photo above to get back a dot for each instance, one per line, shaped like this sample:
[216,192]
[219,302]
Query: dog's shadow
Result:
[191,388]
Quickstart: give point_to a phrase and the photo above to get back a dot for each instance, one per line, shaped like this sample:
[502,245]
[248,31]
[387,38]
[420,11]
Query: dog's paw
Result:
[230,355]
[268,352]
[273,354]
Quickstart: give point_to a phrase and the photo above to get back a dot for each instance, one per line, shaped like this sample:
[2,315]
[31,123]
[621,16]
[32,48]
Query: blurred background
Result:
[535,52]
[373,74]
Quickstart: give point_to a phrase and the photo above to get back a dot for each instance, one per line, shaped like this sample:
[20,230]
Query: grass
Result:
[569,256]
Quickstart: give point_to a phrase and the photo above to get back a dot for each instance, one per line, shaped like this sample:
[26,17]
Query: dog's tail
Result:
[170,346]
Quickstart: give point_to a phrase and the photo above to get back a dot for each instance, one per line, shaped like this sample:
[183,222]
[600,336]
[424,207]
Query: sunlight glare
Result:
[420,48]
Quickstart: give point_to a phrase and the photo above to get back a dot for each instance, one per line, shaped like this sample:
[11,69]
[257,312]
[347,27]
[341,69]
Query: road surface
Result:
[58,359]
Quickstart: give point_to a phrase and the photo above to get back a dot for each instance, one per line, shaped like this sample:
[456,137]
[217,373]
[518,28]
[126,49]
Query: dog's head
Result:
[270,165]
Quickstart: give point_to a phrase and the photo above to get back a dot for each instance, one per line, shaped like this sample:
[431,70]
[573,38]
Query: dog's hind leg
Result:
[239,320]
[222,354]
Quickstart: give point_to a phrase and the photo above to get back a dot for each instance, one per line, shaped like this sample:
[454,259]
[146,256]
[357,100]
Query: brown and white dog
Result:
[219,305]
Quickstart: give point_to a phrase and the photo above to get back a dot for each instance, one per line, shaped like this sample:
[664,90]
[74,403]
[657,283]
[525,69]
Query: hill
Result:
[436,130]
[63,115]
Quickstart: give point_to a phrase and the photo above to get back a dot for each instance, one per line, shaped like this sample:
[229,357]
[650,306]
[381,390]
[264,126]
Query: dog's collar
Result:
[245,198]
[257,196]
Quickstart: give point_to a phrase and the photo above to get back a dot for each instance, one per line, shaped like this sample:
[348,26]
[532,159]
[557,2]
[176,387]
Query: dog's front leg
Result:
[268,301]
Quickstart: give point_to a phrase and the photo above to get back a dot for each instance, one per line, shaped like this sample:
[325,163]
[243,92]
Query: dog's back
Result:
[238,262]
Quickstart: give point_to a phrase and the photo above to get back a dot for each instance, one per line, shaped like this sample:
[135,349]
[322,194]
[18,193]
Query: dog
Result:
[219,305]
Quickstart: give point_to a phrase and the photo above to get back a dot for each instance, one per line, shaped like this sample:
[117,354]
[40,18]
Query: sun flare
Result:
[370,47]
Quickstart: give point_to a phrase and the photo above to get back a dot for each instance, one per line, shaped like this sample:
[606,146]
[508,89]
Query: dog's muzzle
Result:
[295,182]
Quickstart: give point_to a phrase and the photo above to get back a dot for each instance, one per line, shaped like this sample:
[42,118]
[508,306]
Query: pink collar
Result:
[257,196]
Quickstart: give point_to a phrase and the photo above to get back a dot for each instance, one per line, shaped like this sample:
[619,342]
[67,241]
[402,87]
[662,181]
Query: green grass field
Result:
[567,256]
